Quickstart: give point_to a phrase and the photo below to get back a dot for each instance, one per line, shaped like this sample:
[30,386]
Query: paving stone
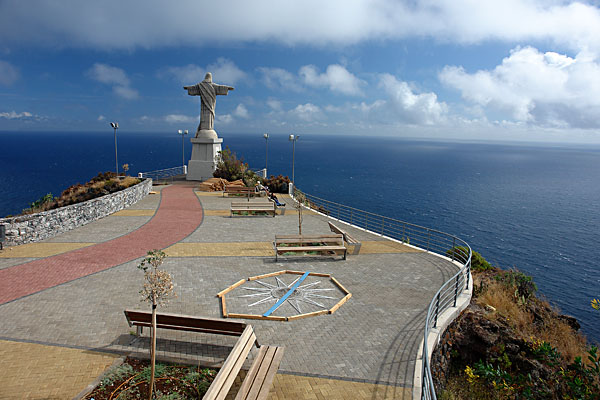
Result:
[367,347]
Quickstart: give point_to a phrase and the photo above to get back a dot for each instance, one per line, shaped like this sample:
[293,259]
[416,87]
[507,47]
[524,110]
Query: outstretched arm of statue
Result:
[192,90]
[222,89]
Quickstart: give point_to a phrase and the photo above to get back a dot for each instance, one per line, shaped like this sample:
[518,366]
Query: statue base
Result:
[205,151]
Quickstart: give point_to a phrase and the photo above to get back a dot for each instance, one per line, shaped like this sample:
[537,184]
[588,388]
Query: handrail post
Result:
[468,273]
[428,238]
[453,247]
[350,216]
[382,224]
[437,310]
[455,290]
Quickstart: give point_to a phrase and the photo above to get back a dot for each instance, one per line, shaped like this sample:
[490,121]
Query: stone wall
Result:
[40,226]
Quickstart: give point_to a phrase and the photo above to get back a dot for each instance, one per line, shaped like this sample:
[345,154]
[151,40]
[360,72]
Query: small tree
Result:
[125,169]
[157,289]
[300,199]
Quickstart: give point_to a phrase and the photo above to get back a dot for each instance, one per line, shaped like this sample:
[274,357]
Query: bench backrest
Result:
[335,229]
[236,188]
[291,239]
[232,365]
[185,323]
[256,205]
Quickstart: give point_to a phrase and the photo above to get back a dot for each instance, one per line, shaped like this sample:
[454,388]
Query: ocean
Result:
[533,207]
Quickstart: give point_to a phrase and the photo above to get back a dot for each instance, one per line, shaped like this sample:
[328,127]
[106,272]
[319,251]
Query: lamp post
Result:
[182,133]
[293,139]
[115,126]
[266,136]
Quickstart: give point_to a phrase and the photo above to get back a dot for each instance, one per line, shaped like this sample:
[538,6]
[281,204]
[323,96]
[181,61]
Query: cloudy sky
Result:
[471,69]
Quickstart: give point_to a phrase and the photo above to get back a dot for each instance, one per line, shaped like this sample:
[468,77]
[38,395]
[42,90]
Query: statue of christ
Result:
[208,91]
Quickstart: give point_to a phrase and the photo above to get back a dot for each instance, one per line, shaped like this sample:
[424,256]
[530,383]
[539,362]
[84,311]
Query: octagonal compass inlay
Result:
[283,296]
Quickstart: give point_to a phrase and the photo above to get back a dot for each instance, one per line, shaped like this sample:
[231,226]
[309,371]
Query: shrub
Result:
[277,184]
[229,166]
[523,284]
[478,263]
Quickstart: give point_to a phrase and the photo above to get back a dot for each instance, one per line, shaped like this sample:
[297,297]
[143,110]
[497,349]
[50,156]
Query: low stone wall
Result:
[40,226]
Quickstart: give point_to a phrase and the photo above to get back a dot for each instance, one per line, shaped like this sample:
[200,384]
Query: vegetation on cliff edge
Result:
[510,344]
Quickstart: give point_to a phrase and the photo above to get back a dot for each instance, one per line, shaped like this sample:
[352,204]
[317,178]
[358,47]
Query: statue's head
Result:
[208,77]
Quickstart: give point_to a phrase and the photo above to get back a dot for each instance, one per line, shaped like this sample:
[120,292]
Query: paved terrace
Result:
[62,300]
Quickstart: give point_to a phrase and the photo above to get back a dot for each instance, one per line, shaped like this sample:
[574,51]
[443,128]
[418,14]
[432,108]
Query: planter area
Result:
[35,227]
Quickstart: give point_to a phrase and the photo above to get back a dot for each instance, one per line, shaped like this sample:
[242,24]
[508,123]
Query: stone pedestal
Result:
[205,151]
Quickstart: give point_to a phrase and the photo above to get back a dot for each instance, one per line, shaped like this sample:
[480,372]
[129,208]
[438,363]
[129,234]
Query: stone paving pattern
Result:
[367,347]
[34,371]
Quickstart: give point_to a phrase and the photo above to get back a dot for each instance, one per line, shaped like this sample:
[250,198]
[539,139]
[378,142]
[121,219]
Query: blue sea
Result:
[529,206]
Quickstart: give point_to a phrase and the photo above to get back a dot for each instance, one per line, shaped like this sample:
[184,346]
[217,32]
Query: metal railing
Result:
[427,239]
[162,174]
[260,172]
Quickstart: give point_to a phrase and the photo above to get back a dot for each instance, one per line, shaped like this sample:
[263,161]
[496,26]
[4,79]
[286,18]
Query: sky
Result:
[524,70]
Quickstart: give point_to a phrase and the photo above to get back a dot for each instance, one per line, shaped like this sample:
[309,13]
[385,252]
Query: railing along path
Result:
[431,240]
[161,174]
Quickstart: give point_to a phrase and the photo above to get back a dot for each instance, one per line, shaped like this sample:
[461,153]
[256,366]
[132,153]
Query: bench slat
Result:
[337,236]
[310,248]
[181,322]
[226,377]
[259,379]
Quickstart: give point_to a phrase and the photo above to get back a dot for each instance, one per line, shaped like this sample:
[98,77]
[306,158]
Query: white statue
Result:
[208,91]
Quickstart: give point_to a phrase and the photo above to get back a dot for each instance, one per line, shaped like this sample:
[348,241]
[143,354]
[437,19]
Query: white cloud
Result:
[101,118]
[547,89]
[9,74]
[241,111]
[149,23]
[224,119]
[189,74]
[280,79]
[178,119]
[307,112]
[224,71]
[408,106]
[275,105]
[15,115]
[336,78]
[126,92]
[115,77]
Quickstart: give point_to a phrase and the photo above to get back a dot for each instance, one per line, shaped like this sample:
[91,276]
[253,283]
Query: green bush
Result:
[229,166]
[523,284]
[478,263]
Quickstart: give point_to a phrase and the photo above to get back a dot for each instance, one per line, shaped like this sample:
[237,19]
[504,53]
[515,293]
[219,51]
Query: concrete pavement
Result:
[367,348]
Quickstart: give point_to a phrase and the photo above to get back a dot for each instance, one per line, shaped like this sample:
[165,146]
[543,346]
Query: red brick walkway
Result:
[178,215]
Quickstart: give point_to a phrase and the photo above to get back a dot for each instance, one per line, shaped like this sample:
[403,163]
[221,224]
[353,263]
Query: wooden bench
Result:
[239,191]
[254,206]
[332,244]
[349,239]
[259,378]
[143,319]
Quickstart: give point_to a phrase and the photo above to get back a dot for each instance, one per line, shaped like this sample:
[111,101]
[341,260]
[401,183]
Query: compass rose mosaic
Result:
[283,296]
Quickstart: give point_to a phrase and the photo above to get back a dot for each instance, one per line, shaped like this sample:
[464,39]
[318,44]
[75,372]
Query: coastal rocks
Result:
[35,227]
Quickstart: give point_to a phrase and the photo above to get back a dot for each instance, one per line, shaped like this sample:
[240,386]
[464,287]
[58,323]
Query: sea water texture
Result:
[531,207]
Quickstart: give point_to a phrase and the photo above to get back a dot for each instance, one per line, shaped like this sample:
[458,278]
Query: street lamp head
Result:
[266,135]
[293,138]
[115,125]
[180,132]
[185,132]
